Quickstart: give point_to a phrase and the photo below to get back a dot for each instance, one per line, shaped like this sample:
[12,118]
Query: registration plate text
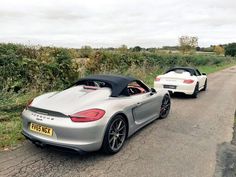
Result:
[41,129]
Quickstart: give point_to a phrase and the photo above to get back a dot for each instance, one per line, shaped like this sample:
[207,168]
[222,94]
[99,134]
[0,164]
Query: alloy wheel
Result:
[117,134]
[165,107]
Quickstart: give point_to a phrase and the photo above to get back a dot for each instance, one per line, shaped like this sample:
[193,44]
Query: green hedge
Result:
[24,68]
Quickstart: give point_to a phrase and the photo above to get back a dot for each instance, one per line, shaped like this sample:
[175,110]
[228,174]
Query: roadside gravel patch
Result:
[226,157]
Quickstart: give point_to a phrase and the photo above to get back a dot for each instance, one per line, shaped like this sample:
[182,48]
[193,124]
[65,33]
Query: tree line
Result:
[187,45]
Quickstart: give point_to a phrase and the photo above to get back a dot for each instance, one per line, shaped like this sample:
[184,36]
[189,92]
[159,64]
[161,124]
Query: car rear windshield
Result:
[95,84]
[180,71]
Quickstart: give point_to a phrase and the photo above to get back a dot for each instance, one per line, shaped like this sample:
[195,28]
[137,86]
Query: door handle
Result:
[151,93]
[139,104]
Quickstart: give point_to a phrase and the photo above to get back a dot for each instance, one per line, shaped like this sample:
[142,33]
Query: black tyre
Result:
[196,90]
[115,135]
[205,86]
[165,106]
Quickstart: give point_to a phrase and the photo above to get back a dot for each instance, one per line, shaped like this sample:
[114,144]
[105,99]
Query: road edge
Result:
[226,156]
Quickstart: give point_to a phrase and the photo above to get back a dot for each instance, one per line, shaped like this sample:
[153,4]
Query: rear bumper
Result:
[43,142]
[66,134]
[180,88]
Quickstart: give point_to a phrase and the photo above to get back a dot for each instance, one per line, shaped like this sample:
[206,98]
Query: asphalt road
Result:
[183,145]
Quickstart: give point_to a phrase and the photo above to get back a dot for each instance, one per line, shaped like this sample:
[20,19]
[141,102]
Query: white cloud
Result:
[104,23]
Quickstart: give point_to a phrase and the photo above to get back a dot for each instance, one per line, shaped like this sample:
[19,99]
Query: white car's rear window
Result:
[180,71]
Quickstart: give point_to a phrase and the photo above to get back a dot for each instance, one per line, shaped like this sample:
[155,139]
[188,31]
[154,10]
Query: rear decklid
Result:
[72,99]
[175,77]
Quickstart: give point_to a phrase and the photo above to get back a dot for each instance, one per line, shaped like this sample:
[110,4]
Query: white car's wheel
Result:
[196,90]
[205,86]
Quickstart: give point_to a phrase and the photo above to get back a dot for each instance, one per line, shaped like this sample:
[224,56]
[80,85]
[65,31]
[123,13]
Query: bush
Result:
[20,73]
[23,69]
[230,50]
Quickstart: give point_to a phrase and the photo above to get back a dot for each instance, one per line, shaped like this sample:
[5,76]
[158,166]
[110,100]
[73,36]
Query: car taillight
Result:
[157,79]
[29,103]
[188,81]
[88,115]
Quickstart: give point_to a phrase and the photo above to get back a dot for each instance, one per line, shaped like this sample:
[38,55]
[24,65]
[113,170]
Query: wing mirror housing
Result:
[153,91]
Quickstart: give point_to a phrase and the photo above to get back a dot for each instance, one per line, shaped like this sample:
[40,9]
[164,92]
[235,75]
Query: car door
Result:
[201,78]
[145,108]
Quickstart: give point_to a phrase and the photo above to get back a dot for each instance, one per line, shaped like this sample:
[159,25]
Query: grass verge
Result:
[11,107]
[215,68]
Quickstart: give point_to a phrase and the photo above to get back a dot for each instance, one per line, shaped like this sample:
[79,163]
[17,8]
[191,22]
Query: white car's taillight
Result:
[87,115]
[188,81]
[157,79]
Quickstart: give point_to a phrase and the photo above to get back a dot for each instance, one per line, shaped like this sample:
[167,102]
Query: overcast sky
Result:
[111,23]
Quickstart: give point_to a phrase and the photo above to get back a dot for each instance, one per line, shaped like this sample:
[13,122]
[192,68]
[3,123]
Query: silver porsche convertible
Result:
[97,112]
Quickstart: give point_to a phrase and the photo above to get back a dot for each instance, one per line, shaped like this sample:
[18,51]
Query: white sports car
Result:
[182,79]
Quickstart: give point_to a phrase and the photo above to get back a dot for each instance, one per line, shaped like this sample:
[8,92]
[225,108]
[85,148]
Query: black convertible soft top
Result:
[115,82]
[191,70]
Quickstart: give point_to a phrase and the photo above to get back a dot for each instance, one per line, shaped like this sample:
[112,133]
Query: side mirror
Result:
[153,90]
[204,74]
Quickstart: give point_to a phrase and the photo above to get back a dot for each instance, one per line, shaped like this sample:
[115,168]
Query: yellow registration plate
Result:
[41,129]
